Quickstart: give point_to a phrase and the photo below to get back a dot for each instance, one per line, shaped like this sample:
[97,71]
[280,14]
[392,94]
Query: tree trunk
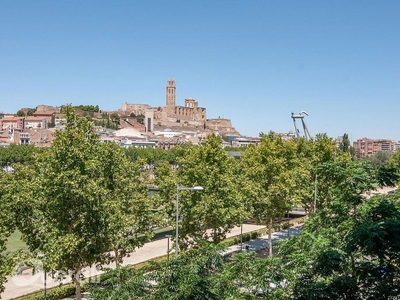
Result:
[117,265]
[270,237]
[116,255]
[77,279]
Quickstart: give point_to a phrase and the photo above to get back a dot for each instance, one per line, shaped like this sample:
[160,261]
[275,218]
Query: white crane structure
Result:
[305,129]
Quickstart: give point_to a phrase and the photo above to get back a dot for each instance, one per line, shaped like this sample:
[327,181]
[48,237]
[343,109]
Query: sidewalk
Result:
[26,283]
[262,242]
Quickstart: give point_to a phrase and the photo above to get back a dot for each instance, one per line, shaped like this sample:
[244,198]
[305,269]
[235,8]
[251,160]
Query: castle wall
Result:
[172,123]
[222,125]
[189,113]
[46,108]
[137,109]
[218,122]
[160,113]
[171,115]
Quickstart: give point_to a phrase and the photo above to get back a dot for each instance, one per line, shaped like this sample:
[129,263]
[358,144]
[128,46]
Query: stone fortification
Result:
[171,115]
[224,126]
[137,109]
[47,108]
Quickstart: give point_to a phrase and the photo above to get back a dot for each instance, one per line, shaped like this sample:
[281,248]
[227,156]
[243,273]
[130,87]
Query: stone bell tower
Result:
[170,95]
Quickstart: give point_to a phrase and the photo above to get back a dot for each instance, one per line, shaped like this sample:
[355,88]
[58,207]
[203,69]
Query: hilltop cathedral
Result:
[170,115]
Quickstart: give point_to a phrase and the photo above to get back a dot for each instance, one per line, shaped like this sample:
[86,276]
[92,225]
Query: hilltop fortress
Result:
[191,115]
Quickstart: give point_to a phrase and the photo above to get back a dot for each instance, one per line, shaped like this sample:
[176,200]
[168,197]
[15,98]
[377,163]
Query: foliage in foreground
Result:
[201,273]
[344,258]
[347,257]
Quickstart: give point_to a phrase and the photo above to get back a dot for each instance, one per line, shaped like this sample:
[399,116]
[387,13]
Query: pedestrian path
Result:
[262,242]
[26,283]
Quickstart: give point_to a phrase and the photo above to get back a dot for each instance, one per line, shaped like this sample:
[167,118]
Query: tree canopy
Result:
[82,198]
[272,170]
[90,201]
[23,154]
[7,226]
[212,212]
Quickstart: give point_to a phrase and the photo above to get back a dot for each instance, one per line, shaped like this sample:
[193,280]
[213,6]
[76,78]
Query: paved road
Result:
[262,242]
[26,283]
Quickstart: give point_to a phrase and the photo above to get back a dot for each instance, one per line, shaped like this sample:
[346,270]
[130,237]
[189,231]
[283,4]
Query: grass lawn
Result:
[14,242]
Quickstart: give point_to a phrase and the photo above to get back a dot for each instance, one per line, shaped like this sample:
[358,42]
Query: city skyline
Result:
[253,62]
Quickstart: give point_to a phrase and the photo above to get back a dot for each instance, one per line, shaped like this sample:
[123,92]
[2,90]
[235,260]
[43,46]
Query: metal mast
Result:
[305,129]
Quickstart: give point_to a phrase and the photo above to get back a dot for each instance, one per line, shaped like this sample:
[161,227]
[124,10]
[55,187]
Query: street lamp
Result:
[168,236]
[241,236]
[315,193]
[181,188]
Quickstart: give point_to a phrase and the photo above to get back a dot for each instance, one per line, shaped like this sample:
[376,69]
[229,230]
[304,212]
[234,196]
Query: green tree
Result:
[349,243]
[211,213]
[63,201]
[380,158]
[347,258]
[115,118]
[165,182]
[86,108]
[312,154]
[349,179]
[394,162]
[250,277]
[386,172]
[345,146]
[23,154]
[191,276]
[188,277]
[272,169]
[6,226]
[140,118]
[154,156]
[128,207]
[208,214]
[31,111]
[130,283]
[20,113]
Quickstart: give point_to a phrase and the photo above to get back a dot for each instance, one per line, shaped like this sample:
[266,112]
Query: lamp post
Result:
[315,193]
[168,236]
[288,223]
[241,236]
[181,188]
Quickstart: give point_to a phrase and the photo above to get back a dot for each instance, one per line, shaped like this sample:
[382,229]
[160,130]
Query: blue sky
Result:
[252,61]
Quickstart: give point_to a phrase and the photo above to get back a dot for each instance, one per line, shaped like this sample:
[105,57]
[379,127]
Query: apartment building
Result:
[367,147]
[36,122]
[11,122]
